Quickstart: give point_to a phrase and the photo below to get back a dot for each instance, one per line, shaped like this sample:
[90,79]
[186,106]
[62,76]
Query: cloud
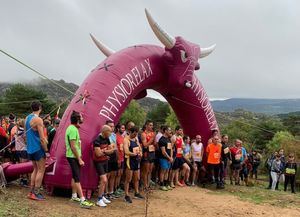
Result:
[257,41]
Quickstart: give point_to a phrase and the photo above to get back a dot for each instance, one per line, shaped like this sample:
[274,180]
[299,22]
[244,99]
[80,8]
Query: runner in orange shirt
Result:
[213,151]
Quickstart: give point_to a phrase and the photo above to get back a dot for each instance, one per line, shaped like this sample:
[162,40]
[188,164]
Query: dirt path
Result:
[184,202]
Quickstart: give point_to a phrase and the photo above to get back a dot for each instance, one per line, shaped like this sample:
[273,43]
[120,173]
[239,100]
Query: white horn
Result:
[206,51]
[163,36]
[103,48]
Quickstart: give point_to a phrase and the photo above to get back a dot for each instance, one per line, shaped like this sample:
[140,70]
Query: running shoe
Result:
[101,203]
[138,196]
[169,187]
[40,196]
[163,188]
[109,196]
[105,200]
[75,199]
[29,195]
[115,195]
[85,204]
[188,183]
[34,196]
[120,191]
[127,199]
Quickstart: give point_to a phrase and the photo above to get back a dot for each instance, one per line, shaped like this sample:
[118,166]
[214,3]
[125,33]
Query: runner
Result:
[165,157]
[276,170]
[197,156]
[36,148]
[255,159]
[225,156]
[52,132]
[120,128]
[134,153]
[179,162]
[128,125]
[245,163]
[102,151]
[148,144]
[112,162]
[21,149]
[237,160]
[3,142]
[290,173]
[214,132]
[187,156]
[213,160]
[156,169]
[73,155]
[283,162]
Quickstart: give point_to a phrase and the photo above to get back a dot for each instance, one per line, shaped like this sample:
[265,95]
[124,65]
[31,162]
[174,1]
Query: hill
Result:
[266,106]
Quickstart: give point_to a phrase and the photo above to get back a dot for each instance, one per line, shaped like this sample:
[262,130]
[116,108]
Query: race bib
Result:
[169,146]
[179,150]
[216,155]
[226,150]
[136,150]
[151,148]
[238,157]
[198,154]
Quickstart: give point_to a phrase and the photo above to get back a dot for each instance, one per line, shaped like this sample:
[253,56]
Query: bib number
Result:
[136,150]
[226,150]
[238,157]
[169,146]
[179,150]
[151,148]
[216,155]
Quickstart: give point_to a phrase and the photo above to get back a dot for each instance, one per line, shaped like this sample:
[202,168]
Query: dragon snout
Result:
[197,66]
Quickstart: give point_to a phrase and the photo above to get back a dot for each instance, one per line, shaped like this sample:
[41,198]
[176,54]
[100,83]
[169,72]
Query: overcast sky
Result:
[257,53]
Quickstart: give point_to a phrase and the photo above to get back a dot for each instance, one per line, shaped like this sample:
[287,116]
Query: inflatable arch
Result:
[126,75]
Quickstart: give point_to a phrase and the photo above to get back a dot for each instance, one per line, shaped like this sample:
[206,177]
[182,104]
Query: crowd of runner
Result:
[126,157]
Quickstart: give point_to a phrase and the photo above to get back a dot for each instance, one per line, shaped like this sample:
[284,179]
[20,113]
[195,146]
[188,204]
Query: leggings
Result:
[289,178]
[214,170]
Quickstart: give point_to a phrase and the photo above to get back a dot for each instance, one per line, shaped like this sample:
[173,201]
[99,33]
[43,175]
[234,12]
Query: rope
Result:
[37,72]
[229,118]
[30,128]
[19,102]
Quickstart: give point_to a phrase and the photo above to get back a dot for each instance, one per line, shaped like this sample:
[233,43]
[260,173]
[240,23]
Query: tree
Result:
[159,113]
[237,129]
[134,112]
[292,123]
[19,93]
[265,131]
[285,140]
[171,119]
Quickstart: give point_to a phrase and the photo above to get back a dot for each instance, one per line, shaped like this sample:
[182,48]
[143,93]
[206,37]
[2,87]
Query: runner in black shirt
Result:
[165,157]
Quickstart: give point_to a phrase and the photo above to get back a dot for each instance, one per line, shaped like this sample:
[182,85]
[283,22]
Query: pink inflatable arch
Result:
[126,75]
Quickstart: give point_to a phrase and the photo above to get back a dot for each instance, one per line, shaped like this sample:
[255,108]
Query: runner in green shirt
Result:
[73,154]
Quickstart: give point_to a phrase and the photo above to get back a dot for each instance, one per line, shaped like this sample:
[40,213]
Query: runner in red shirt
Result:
[120,129]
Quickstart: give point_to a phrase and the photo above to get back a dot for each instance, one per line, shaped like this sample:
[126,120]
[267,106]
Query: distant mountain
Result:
[148,103]
[54,92]
[266,106]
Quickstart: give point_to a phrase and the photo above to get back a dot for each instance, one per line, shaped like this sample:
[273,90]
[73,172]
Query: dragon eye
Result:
[183,55]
